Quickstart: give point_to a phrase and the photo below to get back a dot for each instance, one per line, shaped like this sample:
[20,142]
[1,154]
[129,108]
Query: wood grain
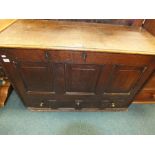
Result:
[4,23]
[77,36]
[149,25]
[93,65]
[76,79]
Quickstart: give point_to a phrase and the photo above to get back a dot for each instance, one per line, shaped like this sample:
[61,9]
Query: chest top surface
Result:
[51,34]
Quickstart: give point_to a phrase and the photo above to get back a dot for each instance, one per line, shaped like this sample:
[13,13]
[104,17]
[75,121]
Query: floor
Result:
[15,119]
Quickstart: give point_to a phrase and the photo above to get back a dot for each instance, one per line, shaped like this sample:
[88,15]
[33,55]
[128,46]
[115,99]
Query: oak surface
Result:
[4,23]
[77,36]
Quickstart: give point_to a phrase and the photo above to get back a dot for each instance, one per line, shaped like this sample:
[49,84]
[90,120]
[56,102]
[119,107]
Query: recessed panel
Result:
[36,77]
[81,78]
[123,79]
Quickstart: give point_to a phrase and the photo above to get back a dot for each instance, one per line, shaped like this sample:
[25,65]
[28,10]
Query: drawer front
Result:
[57,104]
[78,104]
[62,104]
[113,104]
[74,104]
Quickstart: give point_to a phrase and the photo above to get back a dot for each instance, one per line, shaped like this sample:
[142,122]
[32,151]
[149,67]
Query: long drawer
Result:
[53,104]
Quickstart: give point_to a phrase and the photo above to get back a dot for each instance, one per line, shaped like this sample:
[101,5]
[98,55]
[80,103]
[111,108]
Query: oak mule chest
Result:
[68,66]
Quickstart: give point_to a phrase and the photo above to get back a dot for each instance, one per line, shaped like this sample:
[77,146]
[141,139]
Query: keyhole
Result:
[84,56]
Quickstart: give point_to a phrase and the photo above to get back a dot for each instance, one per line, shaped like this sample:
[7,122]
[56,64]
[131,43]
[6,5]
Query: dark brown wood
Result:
[77,65]
[149,25]
[147,94]
[62,79]
[126,22]
[35,76]
[2,74]
[81,78]
[138,22]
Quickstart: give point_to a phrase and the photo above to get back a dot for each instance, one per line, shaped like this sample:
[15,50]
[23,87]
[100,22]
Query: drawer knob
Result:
[41,104]
[113,105]
[77,102]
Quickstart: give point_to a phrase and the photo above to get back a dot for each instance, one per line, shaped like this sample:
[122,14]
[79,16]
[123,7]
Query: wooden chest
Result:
[63,66]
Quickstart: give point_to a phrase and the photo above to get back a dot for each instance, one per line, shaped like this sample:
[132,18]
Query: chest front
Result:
[76,80]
